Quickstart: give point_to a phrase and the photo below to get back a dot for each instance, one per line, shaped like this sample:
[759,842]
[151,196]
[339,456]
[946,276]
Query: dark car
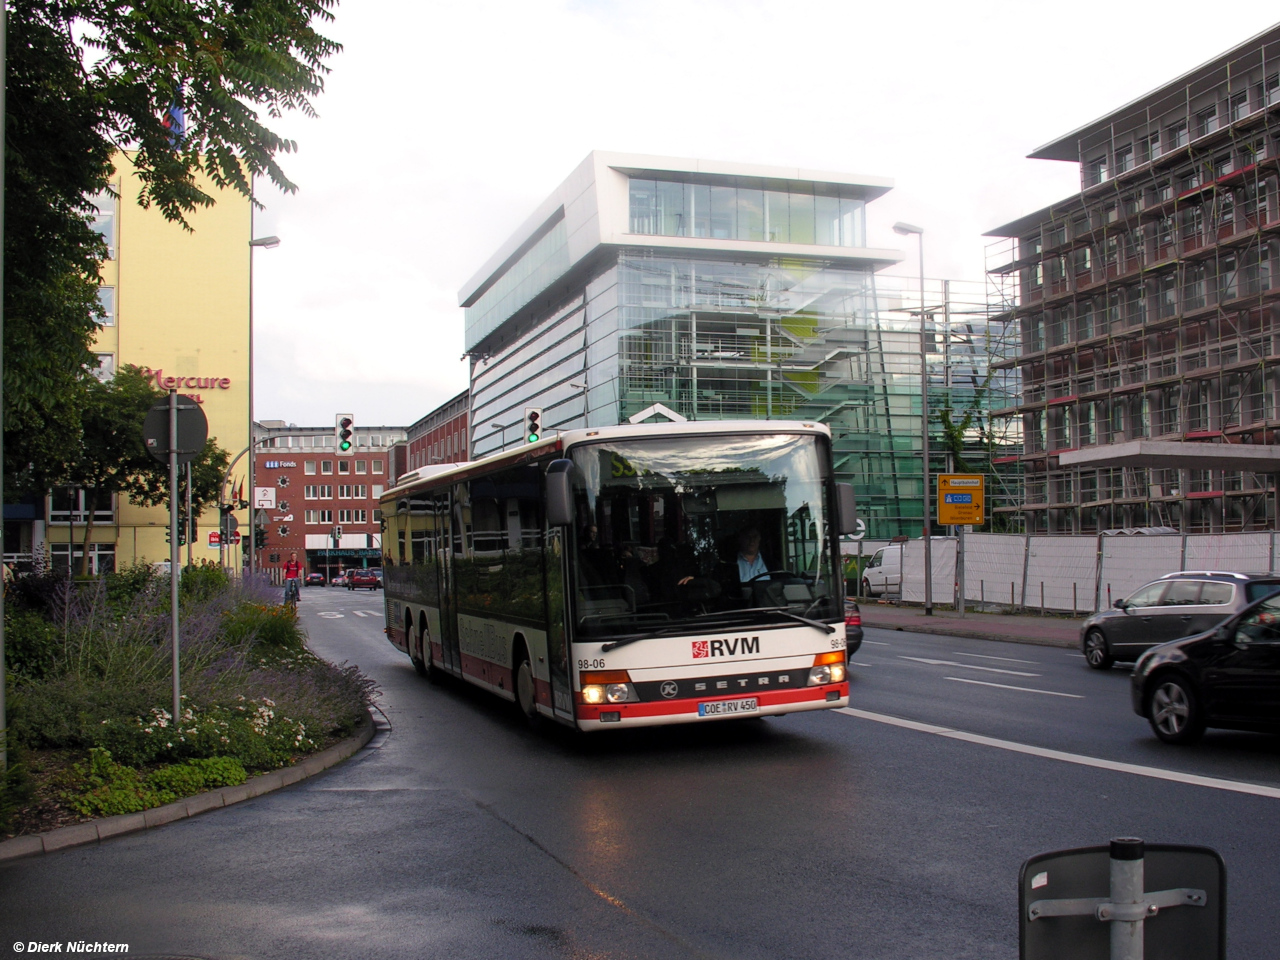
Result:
[852,627]
[1228,676]
[367,579]
[314,580]
[1177,605]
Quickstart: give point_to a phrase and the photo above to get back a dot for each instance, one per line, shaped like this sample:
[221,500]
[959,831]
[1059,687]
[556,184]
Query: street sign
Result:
[264,498]
[215,539]
[1126,900]
[234,537]
[961,499]
[193,430]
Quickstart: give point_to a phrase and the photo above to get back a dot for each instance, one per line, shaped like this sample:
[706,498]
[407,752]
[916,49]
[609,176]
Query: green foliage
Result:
[123,587]
[15,788]
[272,627]
[32,644]
[104,788]
[202,582]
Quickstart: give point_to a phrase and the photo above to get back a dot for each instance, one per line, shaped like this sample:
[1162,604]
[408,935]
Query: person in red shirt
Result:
[292,579]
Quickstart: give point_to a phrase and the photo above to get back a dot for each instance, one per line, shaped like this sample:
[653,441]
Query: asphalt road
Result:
[463,834]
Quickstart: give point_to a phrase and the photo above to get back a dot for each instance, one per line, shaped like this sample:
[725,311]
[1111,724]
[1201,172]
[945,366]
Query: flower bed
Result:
[90,690]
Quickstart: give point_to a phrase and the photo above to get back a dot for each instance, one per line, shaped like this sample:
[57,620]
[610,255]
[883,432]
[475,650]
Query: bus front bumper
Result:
[691,710]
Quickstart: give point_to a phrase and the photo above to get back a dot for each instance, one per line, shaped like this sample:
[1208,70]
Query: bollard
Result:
[982,591]
[1074,605]
[1126,891]
[1108,596]
[1042,598]
[1013,604]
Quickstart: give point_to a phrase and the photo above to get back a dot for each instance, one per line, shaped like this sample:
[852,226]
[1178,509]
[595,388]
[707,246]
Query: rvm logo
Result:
[725,648]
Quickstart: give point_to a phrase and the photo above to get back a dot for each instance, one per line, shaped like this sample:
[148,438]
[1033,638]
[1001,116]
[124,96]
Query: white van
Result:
[883,572]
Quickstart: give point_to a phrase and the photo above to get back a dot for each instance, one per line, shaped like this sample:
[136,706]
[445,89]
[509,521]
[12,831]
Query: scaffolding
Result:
[1148,306]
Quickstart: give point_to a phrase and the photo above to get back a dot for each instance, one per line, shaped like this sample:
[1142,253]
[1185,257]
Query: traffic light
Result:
[344,433]
[259,538]
[532,424]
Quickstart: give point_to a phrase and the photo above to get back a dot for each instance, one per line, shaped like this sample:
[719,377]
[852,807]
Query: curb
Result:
[949,628]
[97,830]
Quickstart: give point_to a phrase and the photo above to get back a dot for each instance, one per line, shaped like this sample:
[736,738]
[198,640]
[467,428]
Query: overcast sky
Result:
[444,124]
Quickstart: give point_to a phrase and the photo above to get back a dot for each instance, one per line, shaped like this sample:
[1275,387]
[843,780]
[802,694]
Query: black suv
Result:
[1177,605]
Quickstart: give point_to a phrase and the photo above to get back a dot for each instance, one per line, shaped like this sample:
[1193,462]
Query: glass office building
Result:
[728,293]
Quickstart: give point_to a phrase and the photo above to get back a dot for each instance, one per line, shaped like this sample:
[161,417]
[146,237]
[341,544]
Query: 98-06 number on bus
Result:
[590,664]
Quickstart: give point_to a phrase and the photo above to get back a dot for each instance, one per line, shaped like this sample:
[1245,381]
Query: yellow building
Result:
[178,307]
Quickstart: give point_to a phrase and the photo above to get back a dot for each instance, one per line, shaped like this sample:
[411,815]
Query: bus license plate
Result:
[726,708]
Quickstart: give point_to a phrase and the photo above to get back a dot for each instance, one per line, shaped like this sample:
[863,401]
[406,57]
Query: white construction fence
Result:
[1067,573]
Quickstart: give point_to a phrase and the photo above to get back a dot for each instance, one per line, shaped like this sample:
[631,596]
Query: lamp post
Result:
[905,230]
[269,243]
[502,427]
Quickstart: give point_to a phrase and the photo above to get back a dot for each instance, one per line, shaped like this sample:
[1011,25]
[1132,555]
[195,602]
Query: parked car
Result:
[1177,605]
[314,580]
[883,572]
[852,627]
[367,579]
[339,581]
[1227,676]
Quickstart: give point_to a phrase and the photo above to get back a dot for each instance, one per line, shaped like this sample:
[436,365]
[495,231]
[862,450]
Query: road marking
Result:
[367,613]
[983,656]
[878,643]
[1005,686]
[968,666]
[1156,773]
[330,614]
[859,663]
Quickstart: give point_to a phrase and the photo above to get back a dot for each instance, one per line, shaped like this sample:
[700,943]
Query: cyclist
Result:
[292,579]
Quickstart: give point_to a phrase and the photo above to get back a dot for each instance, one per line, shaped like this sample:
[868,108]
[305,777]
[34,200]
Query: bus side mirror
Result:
[559,493]
[848,508]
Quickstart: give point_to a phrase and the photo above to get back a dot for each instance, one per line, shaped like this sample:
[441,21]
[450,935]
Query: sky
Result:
[443,125]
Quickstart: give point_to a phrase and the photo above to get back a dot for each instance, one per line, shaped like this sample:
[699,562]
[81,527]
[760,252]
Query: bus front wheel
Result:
[526,696]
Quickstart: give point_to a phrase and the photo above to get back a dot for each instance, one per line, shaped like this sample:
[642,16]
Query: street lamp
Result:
[503,428]
[268,243]
[906,230]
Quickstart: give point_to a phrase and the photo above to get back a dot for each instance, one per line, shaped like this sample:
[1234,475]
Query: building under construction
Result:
[1147,311]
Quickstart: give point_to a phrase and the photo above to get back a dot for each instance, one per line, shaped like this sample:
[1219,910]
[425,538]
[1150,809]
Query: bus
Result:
[629,576]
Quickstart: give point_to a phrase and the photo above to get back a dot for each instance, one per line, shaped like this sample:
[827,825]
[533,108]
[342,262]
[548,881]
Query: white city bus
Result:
[629,576]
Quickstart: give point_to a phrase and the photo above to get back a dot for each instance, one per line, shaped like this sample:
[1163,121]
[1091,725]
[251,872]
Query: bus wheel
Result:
[418,663]
[526,697]
[427,668]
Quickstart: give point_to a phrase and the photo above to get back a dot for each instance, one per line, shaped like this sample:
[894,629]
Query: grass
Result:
[90,693]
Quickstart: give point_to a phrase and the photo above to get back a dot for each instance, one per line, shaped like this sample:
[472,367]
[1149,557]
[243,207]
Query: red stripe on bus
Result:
[668,708]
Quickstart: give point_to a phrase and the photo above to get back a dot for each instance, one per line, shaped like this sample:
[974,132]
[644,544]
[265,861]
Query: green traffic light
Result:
[533,438]
[345,445]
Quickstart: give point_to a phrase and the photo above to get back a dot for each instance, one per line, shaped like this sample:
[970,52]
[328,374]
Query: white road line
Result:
[330,614]
[1157,773]
[878,643]
[968,666]
[1005,686]
[859,663]
[982,656]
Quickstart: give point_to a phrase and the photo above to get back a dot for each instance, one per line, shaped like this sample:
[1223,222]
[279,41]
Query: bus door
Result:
[448,597]
[555,569]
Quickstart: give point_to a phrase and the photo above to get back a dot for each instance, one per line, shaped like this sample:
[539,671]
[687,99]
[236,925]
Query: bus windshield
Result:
[690,534]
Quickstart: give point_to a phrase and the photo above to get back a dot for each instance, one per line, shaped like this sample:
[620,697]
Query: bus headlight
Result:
[617,692]
[827,668]
[593,693]
[607,686]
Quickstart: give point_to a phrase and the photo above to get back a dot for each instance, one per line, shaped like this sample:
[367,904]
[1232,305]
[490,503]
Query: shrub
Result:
[274,630]
[15,788]
[202,582]
[32,645]
[104,788]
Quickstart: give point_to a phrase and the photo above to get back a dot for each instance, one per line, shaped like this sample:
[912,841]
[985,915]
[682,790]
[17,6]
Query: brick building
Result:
[317,490]
[441,436]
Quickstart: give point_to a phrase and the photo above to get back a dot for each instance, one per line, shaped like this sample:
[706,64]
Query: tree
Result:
[87,78]
[112,457]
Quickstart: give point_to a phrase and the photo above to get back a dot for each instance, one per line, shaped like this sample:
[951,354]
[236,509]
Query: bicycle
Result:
[292,593]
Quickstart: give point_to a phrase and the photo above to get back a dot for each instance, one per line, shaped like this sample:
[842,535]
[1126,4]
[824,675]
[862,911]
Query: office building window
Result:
[669,209]
[107,300]
[1124,159]
[1239,106]
[1206,121]
[103,222]
[308,466]
[1151,148]
[344,466]
[326,466]
[1178,135]
[1095,171]
[377,490]
[106,368]
[1271,89]
[362,466]
[345,491]
[353,516]
[377,466]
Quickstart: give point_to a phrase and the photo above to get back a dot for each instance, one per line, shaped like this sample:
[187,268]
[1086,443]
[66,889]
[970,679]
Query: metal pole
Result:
[1127,882]
[251,450]
[189,519]
[960,569]
[4,727]
[174,556]
[924,442]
